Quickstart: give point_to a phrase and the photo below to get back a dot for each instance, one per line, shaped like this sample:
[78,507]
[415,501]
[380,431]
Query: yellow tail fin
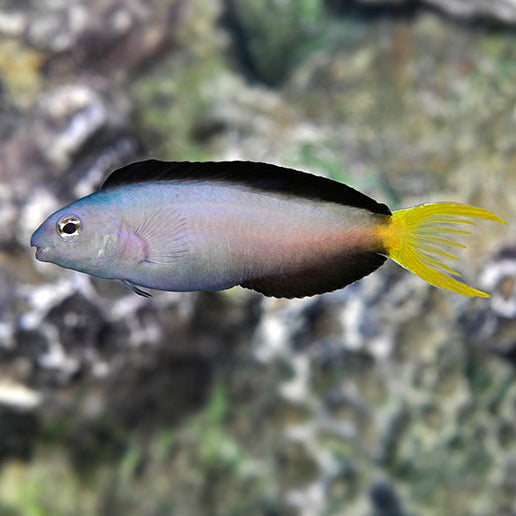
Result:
[415,238]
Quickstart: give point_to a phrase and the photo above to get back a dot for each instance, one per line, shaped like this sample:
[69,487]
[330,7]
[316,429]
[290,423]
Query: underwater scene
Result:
[389,397]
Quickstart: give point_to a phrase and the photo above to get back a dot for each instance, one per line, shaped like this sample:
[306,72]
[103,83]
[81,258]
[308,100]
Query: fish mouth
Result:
[42,252]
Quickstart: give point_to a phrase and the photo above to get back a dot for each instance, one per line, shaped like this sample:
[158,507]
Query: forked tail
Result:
[418,238]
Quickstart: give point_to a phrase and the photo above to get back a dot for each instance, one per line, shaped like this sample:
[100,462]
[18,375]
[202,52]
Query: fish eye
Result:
[69,226]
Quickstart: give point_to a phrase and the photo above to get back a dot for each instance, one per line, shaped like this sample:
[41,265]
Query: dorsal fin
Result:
[262,176]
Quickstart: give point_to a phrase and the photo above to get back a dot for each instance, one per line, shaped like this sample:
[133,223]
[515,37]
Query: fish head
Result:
[83,236]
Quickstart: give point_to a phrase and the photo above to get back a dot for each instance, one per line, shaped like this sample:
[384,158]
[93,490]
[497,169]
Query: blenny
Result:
[184,226]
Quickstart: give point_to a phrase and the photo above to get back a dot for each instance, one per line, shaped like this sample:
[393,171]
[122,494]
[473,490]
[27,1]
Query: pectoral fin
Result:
[164,233]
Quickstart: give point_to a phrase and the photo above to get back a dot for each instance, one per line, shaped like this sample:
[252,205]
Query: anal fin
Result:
[318,279]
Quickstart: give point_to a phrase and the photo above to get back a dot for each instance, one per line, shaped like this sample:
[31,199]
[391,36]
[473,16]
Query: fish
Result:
[197,226]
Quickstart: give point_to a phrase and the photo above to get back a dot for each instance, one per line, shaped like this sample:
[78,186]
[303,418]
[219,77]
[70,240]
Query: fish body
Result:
[210,226]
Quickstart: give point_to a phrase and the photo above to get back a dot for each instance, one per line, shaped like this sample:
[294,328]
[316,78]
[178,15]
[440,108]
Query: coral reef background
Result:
[387,398]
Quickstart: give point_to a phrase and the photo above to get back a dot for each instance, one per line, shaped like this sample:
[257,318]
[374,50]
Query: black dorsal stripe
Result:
[262,176]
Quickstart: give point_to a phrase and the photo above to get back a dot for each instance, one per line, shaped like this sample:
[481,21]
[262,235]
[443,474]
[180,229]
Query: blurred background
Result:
[387,398]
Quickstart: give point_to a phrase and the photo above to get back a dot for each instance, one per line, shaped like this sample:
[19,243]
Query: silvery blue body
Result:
[184,236]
